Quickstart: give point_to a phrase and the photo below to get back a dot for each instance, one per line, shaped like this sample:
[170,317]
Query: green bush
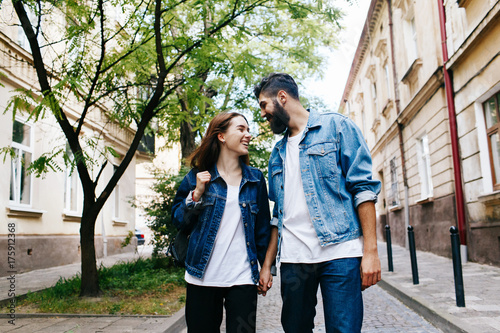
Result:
[159,210]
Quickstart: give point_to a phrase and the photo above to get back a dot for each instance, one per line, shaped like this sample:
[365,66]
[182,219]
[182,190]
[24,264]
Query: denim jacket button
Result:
[246,224]
[244,205]
[252,262]
[248,243]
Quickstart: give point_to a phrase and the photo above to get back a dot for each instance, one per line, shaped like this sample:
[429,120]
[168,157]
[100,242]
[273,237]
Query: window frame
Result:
[116,198]
[424,167]
[70,175]
[490,131]
[374,95]
[394,197]
[410,36]
[387,79]
[16,163]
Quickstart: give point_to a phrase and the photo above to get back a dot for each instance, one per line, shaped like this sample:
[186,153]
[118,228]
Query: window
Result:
[413,37]
[374,98]
[22,40]
[410,36]
[394,195]
[71,186]
[492,117]
[424,167]
[20,179]
[363,123]
[147,144]
[387,80]
[116,198]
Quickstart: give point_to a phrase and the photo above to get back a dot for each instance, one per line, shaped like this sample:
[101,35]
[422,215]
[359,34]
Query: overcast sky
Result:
[331,87]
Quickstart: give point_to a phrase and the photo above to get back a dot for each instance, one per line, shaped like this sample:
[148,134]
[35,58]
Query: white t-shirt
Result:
[228,264]
[300,242]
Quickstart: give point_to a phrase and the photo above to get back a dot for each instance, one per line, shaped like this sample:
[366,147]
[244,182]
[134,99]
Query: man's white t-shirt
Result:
[300,242]
[229,264]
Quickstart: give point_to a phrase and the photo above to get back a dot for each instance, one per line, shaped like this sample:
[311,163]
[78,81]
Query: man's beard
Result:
[280,120]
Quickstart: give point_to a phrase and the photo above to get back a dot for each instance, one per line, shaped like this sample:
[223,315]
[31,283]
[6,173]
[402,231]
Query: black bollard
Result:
[389,247]
[457,267]
[413,254]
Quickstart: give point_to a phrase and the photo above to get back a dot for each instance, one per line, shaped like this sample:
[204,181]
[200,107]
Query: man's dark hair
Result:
[274,82]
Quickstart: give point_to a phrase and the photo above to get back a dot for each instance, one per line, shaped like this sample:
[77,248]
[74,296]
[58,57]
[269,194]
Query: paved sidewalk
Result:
[434,296]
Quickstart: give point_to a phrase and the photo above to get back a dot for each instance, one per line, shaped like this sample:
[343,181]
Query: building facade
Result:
[43,214]
[473,45]
[423,154]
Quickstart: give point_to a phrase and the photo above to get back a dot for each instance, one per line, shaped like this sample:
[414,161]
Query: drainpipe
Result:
[459,196]
[400,126]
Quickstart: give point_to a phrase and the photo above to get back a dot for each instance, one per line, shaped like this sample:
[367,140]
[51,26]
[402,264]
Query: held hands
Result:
[371,272]
[265,281]
[202,178]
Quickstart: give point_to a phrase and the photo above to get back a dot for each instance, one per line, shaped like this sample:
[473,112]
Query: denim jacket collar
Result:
[247,175]
[312,122]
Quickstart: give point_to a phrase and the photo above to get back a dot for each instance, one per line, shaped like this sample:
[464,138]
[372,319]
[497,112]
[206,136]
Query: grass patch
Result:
[141,287]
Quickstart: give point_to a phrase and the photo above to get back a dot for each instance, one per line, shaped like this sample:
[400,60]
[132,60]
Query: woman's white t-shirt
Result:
[228,264]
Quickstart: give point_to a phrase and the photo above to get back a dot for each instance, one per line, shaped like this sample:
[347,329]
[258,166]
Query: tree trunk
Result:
[188,136]
[90,275]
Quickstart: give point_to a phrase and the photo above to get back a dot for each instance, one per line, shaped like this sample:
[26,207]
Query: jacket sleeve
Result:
[272,196]
[185,212]
[356,164]
[262,225]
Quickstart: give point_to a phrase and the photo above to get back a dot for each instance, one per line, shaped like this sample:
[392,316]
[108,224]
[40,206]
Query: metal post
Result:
[389,247]
[457,267]
[413,254]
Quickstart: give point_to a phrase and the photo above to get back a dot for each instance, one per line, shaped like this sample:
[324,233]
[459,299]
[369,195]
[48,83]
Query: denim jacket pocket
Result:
[276,174]
[207,208]
[323,157]
[276,168]
[254,208]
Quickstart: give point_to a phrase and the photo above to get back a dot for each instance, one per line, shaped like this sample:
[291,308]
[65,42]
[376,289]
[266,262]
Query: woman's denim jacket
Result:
[336,170]
[203,217]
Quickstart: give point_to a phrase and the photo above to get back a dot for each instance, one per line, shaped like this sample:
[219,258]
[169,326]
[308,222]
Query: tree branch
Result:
[47,93]
[97,71]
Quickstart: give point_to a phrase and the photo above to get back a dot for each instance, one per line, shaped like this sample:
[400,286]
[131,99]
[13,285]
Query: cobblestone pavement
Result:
[383,313]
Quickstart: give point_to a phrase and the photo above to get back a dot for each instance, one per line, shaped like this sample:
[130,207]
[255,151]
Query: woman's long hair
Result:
[207,154]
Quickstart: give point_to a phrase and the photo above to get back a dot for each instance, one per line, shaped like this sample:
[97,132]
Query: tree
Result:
[283,37]
[135,61]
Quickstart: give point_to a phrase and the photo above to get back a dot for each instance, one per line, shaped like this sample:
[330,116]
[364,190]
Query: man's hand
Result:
[265,281]
[371,273]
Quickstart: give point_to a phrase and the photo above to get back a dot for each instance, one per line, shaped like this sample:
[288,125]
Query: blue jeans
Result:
[340,283]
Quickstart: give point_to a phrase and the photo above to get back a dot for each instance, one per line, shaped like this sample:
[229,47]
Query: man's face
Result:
[275,114]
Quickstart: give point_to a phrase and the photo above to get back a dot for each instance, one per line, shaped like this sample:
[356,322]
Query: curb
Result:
[78,315]
[438,319]
[177,322]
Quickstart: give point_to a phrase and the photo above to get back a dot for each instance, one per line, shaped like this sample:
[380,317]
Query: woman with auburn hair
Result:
[224,203]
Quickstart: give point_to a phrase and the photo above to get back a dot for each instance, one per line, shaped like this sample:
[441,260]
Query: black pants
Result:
[204,306]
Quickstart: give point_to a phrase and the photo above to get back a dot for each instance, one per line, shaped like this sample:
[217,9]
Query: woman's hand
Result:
[202,178]
[265,281]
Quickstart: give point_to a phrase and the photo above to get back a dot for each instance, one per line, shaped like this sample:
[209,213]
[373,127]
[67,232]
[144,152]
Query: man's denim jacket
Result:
[336,170]
[204,217]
